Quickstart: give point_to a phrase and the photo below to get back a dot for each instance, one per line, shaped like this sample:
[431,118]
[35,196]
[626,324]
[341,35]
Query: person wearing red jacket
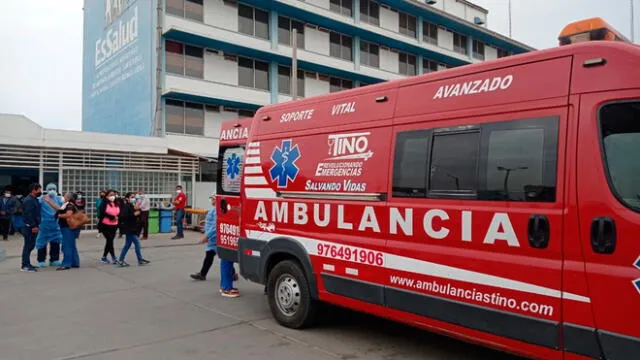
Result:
[179,202]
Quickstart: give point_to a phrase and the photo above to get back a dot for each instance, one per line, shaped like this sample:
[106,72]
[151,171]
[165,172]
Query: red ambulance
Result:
[497,202]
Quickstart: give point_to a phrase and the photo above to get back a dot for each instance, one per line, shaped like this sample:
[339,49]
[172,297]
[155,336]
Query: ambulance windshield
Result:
[620,131]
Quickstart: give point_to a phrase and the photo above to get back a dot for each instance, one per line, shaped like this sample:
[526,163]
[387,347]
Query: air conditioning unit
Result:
[431,2]
[478,21]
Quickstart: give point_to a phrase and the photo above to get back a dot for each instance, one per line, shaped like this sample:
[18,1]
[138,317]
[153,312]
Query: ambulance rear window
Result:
[231,164]
[620,132]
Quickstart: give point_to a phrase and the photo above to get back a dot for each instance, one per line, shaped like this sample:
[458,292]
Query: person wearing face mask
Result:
[49,233]
[31,214]
[128,216]
[145,205]
[180,203]
[109,213]
[70,250]
[8,207]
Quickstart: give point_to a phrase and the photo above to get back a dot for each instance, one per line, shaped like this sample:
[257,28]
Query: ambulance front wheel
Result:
[289,296]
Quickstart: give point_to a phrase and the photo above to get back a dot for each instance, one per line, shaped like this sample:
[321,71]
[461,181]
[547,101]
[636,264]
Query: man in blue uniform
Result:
[50,233]
[31,214]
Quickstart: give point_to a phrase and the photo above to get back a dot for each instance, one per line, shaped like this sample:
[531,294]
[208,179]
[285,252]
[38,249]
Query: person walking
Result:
[129,221]
[99,202]
[180,203]
[145,206]
[210,239]
[71,258]
[8,207]
[31,214]
[49,234]
[109,212]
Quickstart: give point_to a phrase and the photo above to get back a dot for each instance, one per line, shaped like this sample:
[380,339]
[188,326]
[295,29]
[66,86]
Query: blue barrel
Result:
[166,218]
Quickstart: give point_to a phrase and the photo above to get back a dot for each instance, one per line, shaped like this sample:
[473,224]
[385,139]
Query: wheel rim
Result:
[287,295]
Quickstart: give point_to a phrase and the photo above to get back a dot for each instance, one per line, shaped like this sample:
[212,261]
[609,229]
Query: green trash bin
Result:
[154,221]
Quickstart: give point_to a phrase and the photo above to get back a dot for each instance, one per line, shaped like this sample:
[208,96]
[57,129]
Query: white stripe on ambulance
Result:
[400,220]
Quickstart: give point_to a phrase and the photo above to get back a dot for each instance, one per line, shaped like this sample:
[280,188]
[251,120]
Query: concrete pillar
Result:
[356,11]
[419,63]
[470,47]
[419,29]
[273,81]
[273,29]
[356,53]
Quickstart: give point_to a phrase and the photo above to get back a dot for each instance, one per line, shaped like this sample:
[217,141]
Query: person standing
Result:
[99,202]
[180,203]
[7,209]
[129,221]
[109,212]
[31,214]
[49,233]
[145,206]
[69,248]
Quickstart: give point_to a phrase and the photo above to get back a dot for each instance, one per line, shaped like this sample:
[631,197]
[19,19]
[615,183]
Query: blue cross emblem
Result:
[284,167]
[636,282]
[233,166]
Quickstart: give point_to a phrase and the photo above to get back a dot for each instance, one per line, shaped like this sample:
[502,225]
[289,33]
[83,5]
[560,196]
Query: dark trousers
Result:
[5,225]
[109,233]
[29,245]
[54,252]
[143,224]
[208,261]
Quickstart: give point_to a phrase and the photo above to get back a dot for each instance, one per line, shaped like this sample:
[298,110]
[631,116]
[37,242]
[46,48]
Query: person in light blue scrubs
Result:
[49,233]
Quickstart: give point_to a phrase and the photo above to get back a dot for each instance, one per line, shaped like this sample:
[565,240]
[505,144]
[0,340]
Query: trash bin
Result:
[166,218]
[154,221]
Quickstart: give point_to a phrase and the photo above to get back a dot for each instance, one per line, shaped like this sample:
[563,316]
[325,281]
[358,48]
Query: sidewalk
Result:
[90,243]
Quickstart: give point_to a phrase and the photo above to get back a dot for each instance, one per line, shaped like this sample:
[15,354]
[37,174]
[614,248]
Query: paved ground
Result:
[156,312]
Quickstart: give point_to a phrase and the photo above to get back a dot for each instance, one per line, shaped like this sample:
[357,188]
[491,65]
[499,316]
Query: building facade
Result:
[178,68]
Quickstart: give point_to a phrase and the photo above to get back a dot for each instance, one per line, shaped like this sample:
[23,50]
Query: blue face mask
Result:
[132,200]
[52,193]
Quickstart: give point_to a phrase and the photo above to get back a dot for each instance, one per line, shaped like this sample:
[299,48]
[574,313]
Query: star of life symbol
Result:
[636,282]
[233,166]
[284,167]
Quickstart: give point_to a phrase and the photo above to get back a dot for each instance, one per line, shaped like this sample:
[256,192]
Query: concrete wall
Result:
[445,39]
[313,87]
[219,69]
[490,53]
[389,19]
[214,119]
[325,4]
[389,61]
[316,41]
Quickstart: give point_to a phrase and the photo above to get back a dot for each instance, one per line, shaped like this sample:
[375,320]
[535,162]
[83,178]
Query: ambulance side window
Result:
[230,166]
[454,164]
[410,164]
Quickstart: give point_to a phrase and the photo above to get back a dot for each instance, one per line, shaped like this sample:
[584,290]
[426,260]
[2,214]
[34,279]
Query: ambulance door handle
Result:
[603,235]
[539,231]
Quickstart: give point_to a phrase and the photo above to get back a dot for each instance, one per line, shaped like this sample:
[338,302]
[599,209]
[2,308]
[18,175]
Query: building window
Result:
[407,64]
[252,21]
[338,84]
[407,25]
[370,12]
[343,7]
[478,49]
[429,66]
[253,73]
[184,117]
[184,59]
[502,53]
[369,54]
[341,46]
[190,9]
[285,29]
[429,33]
[459,43]
[284,81]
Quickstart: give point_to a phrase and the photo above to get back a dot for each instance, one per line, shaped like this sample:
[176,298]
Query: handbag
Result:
[77,220]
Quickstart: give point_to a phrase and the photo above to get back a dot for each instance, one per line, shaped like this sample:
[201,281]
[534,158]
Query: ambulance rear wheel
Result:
[289,296]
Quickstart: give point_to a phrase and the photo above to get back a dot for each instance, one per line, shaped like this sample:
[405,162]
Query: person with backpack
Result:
[129,213]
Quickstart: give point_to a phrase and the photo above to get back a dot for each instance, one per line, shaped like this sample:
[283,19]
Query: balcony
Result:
[200,88]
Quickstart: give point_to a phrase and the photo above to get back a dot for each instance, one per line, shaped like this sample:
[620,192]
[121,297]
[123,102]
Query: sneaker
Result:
[113,261]
[198,276]
[143,262]
[42,264]
[55,263]
[177,237]
[62,268]
[29,269]
[104,260]
[233,293]
[122,264]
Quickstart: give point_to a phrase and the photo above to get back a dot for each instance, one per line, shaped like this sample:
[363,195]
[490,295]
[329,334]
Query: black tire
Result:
[295,285]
